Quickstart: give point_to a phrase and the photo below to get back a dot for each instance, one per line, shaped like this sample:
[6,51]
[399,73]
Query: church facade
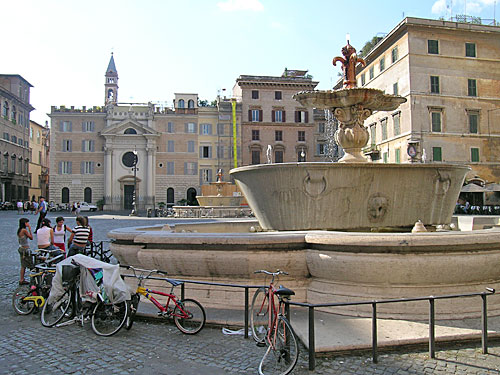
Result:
[106,153]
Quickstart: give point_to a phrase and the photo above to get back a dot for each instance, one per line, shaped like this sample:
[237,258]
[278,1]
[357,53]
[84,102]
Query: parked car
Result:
[84,206]
[8,206]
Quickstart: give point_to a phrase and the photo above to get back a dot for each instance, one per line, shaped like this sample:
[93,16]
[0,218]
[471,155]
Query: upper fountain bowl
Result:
[372,99]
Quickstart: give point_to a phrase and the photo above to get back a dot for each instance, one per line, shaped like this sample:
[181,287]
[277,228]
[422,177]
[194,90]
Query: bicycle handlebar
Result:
[144,272]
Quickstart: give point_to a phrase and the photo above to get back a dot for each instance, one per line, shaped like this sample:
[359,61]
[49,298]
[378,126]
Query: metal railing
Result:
[374,303]
[432,337]
[98,251]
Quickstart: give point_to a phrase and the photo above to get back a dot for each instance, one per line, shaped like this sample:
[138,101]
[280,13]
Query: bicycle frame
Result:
[163,308]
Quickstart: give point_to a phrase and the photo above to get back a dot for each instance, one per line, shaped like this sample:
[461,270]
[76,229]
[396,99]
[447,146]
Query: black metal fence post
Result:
[312,346]
[374,333]
[432,332]
[246,312]
[484,325]
[182,291]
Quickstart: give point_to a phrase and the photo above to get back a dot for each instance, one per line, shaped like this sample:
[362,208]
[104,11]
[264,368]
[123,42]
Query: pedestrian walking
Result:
[26,206]
[42,211]
[23,234]
[19,207]
[77,211]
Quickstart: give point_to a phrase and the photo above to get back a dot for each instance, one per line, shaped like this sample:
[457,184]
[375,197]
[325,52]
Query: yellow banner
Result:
[235,148]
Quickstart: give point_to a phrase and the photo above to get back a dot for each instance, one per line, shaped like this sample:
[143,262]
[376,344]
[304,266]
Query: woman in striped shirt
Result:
[79,237]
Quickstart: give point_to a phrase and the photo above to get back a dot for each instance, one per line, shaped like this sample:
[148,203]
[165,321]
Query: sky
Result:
[160,47]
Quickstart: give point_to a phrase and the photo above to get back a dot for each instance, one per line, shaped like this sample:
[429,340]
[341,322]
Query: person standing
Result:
[23,234]
[42,211]
[19,207]
[60,230]
[79,237]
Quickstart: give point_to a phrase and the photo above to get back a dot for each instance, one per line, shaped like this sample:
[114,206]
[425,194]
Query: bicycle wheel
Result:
[109,318]
[133,304]
[281,357]
[259,314]
[53,313]
[195,319]
[22,307]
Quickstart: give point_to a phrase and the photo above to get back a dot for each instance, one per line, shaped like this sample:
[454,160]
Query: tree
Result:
[369,46]
[202,103]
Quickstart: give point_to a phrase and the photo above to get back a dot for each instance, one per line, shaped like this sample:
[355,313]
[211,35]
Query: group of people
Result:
[52,238]
[27,207]
[75,208]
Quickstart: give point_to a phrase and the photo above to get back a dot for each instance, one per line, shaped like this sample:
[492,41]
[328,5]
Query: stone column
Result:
[108,171]
[149,175]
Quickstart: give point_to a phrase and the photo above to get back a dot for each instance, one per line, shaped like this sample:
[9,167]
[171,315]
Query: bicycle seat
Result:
[175,282]
[282,291]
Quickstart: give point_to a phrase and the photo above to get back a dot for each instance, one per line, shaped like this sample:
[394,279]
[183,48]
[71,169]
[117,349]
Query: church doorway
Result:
[128,196]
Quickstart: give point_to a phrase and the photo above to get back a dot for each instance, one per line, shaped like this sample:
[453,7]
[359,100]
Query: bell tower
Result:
[111,83]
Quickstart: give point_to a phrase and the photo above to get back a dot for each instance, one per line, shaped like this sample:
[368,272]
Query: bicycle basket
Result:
[69,273]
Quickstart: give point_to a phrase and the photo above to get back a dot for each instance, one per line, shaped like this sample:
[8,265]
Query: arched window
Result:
[190,103]
[130,131]
[170,197]
[65,195]
[13,113]
[191,197]
[87,195]
[6,109]
[111,95]
[181,103]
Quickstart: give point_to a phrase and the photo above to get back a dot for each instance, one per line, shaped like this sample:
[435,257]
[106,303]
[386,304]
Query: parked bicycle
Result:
[188,314]
[270,327]
[106,318]
[27,298]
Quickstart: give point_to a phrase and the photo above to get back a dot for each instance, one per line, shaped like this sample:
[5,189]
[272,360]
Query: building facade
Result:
[449,72]
[39,161]
[15,111]
[274,126]
[162,154]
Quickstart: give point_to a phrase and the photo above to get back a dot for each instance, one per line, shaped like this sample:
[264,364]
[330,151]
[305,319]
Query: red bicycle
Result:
[188,314]
[270,326]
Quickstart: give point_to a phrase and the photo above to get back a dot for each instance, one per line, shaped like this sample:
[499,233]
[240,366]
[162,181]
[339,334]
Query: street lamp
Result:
[134,195]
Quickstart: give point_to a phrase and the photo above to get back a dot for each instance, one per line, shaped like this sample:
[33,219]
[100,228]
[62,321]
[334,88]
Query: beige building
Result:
[38,165]
[449,72]
[273,124]
[106,153]
[15,111]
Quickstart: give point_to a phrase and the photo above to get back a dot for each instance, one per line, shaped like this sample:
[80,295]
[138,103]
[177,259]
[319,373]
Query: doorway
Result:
[128,196]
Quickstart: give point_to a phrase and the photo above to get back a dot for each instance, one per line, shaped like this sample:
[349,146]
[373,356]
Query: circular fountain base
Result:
[327,266]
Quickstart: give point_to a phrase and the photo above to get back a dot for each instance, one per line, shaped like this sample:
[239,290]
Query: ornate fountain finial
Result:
[349,65]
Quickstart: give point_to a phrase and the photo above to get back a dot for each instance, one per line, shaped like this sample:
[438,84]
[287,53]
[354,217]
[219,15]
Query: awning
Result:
[492,187]
[472,188]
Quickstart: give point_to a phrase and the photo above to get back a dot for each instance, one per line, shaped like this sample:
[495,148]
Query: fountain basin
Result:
[368,98]
[215,200]
[357,196]
[326,266]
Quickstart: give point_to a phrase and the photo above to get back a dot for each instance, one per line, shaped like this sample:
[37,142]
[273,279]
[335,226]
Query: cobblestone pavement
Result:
[159,348]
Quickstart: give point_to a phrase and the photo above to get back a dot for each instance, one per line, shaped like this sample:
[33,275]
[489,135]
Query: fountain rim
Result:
[330,165]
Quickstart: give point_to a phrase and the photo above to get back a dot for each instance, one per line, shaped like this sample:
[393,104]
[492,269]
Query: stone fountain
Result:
[340,229]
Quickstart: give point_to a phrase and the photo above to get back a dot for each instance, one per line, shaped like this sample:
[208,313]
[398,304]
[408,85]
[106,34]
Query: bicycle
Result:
[106,318]
[271,327]
[27,298]
[188,314]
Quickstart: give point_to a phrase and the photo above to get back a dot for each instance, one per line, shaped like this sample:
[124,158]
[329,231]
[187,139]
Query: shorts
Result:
[61,246]
[25,257]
